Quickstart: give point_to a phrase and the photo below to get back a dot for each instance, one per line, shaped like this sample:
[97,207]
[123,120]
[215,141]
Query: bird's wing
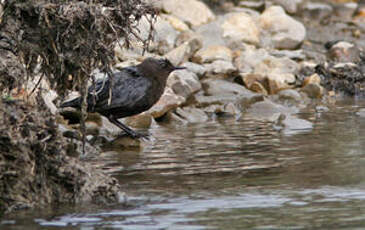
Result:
[128,87]
[128,91]
[98,92]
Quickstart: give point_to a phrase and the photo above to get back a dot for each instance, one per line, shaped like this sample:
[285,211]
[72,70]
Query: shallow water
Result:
[232,173]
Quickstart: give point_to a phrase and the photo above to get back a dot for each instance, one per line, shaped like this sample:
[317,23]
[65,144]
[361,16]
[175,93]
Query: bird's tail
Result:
[75,103]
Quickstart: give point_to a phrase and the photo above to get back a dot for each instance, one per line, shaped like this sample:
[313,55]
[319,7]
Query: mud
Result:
[35,168]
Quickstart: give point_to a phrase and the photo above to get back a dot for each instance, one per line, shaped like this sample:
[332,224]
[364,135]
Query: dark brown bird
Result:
[135,89]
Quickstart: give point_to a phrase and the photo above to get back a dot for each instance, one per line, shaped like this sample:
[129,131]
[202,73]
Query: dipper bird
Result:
[135,89]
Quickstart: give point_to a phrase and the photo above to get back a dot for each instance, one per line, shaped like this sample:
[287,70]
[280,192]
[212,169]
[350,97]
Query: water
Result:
[232,174]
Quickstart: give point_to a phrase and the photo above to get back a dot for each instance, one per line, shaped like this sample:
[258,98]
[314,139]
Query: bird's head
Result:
[160,68]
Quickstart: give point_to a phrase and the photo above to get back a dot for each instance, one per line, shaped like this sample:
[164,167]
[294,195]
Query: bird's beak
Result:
[178,67]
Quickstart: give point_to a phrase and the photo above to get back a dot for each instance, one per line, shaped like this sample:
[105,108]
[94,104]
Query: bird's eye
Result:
[164,63]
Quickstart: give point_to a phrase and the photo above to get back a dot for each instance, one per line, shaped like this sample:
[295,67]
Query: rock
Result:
[270,65]
[168,101]
[257,87]
[255,5]
[231,109]
[212,34]
[192,12]
[313,90]
[220,69]
[175,22]
[277,82]
[222,87]
[183,52]
[290,6]
[213,53]
[316,10]
[92,128]
[249,58]
[313,79]
[187,36]
[293,125]
[192,115]
[143,120]
[343,52]
[282,31]
[269,110]
[204,101]
[290,94]
[125,142]
[361,112]
[164,37]
[240,27]
[249,79]
[108,129]
[199,70]
[184,83]
[292,54]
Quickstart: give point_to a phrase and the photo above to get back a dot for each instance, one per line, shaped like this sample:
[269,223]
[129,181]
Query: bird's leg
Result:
[126,129]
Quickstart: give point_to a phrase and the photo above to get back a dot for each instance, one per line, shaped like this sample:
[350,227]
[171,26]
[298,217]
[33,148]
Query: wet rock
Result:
[192,12]
[92,128]
[231,109]
[343,52]
[313,90]
[168,101]
[108,129]
[192,115]
[220,69]
[213,53]
[143,120]
[240,27]
[281,30]
[199,70]
[322,109]
[184,52]
[125,142]
[290,94]
[293,125]
[184,83]
[290,6]
[267,109]
[312,79]
[69,132]
[361,112]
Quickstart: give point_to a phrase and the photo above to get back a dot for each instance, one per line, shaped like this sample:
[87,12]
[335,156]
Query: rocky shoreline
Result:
[251,59]
[240,61]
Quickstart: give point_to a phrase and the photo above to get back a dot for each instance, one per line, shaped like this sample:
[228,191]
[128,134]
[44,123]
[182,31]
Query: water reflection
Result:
[233,174]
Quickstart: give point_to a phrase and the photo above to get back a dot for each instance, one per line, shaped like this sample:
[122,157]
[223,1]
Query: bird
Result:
[134,89]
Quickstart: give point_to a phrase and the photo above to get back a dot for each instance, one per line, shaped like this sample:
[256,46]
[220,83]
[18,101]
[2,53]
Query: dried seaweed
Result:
[66,40]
